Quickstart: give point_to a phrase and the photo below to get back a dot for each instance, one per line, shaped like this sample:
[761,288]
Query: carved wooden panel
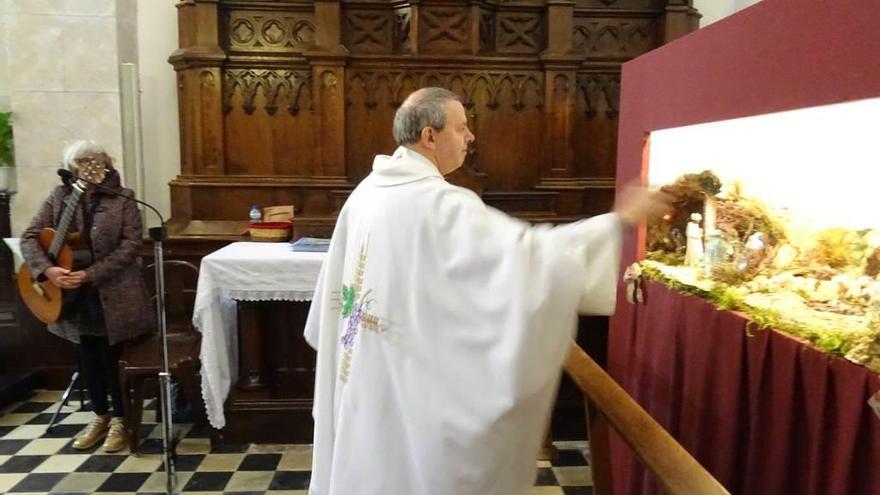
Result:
[370,31]
[271,32]
[501,104]
[469,83]
[614,38]
[487,31]
[595,118]
[443,29]
[291,88]
[520,32]
[291,100]
[377,30]
[625,4]
[600,91]
[269,122]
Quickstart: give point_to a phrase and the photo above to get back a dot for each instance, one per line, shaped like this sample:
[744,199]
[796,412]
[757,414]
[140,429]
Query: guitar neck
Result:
[66,218]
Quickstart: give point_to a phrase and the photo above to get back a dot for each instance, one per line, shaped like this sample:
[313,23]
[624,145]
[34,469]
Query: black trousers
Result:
[100,366]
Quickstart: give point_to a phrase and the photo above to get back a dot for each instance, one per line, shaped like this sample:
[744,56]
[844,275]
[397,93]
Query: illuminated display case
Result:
[794,246]
[783,98]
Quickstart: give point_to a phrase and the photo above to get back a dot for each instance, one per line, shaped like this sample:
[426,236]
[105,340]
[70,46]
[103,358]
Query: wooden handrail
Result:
[677,472]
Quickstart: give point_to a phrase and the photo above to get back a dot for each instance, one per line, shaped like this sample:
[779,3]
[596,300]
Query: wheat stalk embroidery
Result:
[355,302]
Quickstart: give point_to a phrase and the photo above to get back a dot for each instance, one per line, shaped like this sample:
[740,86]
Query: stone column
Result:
[63,85]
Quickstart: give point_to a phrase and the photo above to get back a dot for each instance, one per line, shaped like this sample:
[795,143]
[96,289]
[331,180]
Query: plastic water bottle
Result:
[255,214]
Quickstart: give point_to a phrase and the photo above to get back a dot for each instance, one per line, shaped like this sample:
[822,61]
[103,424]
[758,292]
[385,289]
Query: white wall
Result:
[714,10]
[157,39]
[4,73]
[62,81]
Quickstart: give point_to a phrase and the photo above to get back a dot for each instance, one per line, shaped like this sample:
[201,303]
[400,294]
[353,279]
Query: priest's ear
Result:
[429,137]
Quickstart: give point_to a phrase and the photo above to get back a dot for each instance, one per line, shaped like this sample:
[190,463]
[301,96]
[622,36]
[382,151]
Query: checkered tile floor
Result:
[34,461]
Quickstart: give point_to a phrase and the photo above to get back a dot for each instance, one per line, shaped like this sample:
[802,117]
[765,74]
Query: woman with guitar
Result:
[82,276]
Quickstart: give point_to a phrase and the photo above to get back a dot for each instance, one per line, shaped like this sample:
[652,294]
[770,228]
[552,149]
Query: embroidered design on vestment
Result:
[355,303]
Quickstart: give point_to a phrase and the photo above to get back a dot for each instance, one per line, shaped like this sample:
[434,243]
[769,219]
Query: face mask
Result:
[92,170]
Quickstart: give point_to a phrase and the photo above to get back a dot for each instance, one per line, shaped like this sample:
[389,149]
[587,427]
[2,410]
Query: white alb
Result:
[441,326]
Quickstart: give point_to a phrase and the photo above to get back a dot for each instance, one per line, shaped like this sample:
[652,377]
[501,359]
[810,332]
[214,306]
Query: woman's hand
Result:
[75,279]
[65,279]
[54,274]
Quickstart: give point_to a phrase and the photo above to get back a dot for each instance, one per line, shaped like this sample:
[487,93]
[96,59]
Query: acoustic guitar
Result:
[44,298]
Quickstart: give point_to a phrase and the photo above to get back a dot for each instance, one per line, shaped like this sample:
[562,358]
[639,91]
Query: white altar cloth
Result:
[242,271]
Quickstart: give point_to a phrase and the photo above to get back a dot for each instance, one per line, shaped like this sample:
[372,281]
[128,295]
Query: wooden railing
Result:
[675,470]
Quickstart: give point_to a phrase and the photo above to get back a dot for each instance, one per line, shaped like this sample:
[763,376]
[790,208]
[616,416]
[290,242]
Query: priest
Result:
[441,324]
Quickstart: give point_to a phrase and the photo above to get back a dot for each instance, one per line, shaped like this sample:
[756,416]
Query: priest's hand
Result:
[636,204]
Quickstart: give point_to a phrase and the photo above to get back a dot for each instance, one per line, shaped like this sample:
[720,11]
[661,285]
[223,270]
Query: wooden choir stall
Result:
[287,102]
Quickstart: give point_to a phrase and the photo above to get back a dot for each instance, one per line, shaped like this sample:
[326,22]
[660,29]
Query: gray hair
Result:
[424,108]
[79,149]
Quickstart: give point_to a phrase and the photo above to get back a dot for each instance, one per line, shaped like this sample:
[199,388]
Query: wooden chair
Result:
[142,359]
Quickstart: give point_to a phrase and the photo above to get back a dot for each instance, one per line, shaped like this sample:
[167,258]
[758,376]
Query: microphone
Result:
[66,176]
[156,233]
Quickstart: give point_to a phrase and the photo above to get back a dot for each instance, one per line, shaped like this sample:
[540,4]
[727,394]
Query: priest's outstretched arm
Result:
[598,241]
[592,246]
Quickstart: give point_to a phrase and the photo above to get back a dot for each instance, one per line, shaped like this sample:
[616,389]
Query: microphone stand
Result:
[158,235]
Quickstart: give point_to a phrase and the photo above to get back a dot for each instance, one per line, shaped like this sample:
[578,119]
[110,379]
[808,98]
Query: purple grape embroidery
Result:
[354,304]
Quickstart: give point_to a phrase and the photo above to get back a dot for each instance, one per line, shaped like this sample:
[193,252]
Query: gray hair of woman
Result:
[425,108]
[84,148]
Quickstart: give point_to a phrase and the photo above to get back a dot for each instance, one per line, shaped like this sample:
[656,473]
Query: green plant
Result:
[7,151]
[709,182]
[834,342]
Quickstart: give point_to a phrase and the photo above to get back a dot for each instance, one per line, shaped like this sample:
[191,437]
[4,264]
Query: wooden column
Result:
[328,82]
[560,85]
[198,63]
[474,27]
[414,26]
[328,86]
[681,19]
[559,81]
[328,16]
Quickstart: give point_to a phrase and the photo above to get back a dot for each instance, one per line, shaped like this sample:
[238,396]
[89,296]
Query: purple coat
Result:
[116,237]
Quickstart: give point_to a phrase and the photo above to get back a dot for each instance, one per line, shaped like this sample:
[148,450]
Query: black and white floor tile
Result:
[34,461]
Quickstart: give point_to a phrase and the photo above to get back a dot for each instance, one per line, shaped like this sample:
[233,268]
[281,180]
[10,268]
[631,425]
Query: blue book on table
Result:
[311,244]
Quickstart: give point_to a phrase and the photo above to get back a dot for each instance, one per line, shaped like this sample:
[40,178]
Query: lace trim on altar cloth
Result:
[273,295]
[215,414]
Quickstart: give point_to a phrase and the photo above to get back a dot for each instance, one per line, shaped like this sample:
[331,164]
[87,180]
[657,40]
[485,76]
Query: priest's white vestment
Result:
[441,326]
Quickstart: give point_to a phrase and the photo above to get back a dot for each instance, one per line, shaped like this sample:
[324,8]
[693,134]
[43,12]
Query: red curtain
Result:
[764,412]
